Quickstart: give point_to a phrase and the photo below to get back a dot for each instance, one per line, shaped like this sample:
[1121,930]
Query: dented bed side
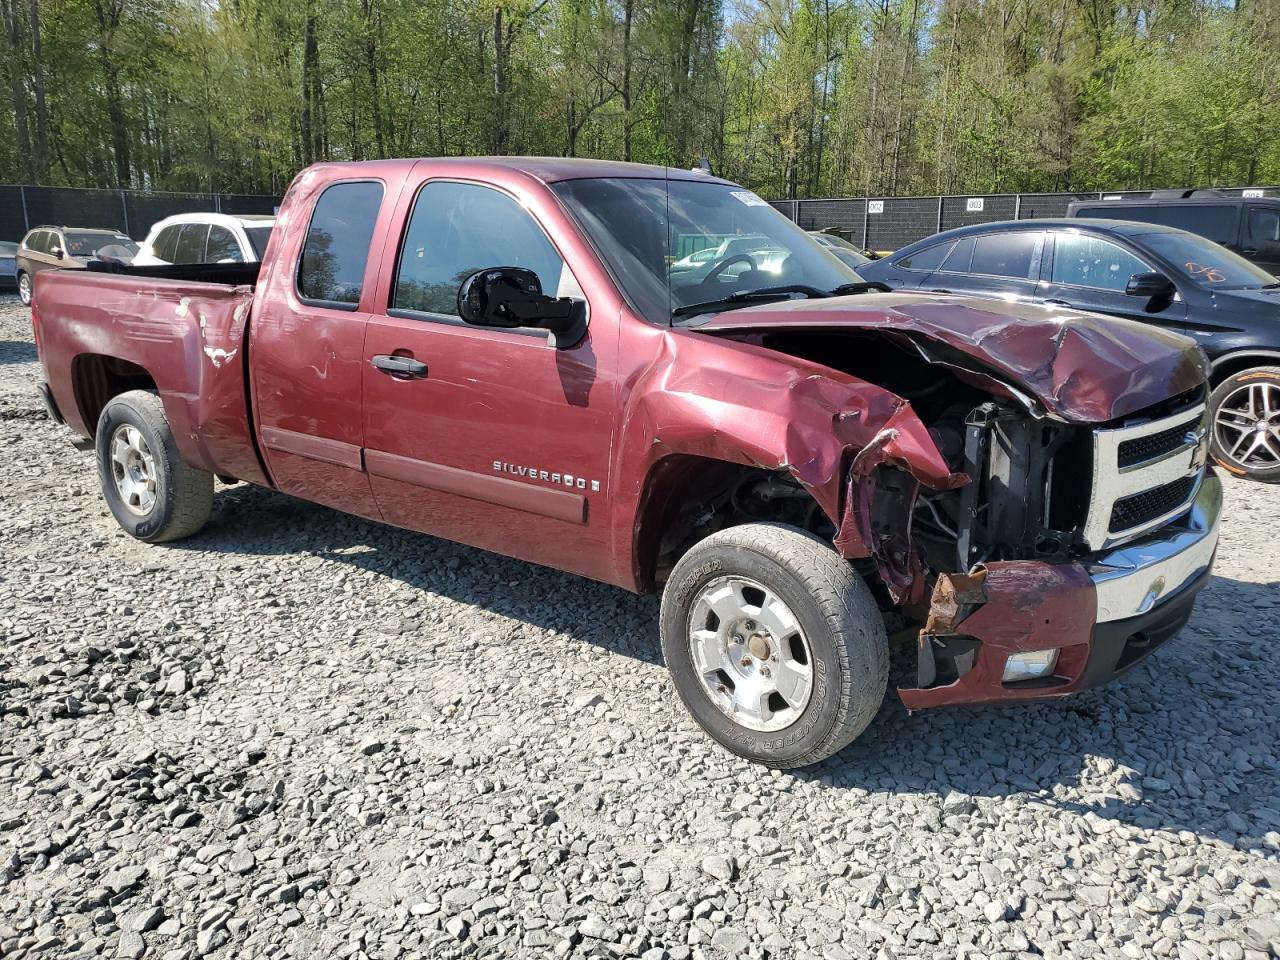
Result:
[188,337]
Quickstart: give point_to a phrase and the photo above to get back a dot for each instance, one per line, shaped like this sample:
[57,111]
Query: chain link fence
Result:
[888,223]
[129,211]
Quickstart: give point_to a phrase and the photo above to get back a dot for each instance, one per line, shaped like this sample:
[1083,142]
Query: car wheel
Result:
[774,644]
[152,492]
[24,288]
[1245,412]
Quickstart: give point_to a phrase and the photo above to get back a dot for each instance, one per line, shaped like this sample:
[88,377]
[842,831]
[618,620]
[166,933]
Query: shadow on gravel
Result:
[17,351]
[1175,721]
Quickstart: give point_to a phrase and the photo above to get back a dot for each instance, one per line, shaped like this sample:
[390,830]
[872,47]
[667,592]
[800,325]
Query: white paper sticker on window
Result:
[973,205]
[1251,193]
[875,206]
[749,198]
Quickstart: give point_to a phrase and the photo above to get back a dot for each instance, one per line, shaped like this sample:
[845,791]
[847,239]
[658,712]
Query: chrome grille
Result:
[1144,474]
[1139,508]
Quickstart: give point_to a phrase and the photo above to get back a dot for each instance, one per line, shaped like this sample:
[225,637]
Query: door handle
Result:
[1057,303]
[939,290]
[402,367]
[1249,252]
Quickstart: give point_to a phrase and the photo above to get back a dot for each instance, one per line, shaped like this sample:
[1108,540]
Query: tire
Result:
[1237,407]
[24,288]
[152,492]
[836,620]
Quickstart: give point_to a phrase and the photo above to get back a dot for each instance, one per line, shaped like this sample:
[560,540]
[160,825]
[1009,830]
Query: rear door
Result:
[496,438]
[307,342]
[1088,272]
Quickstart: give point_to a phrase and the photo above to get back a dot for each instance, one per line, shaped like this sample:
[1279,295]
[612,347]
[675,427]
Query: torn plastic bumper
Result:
[1103,615]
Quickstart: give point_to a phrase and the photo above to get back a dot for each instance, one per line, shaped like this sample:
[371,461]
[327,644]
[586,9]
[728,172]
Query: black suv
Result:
[1139,271]
[1250,226]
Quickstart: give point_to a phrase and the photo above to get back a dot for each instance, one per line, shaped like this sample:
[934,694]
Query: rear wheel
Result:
[1245,411]
[24,287]
[774,644]
[153,493]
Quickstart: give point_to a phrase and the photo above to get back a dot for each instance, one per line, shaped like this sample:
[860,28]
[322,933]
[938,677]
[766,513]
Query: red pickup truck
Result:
[537,357]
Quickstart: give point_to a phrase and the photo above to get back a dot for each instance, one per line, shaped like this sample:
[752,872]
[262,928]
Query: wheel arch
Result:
[1237,361]
[98,378]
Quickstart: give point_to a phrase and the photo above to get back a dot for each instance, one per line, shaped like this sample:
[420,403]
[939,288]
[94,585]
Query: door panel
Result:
[308,354]
[1090,273]
[504,441]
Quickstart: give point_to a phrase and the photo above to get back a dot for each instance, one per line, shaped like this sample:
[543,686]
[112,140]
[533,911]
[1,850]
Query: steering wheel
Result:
[720,266]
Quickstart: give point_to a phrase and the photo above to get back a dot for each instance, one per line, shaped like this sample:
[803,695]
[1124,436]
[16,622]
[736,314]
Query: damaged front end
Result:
[1046,530]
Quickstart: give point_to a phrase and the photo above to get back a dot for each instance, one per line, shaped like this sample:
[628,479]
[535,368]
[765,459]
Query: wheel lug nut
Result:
[764,671]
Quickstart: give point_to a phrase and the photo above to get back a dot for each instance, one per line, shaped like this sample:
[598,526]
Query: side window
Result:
[1218,222]
[52,241]
[222,246]
[930,258]
[36,243]
[166,244]
[1264,230]
[1086,261]
[1004,254]
[191,243]
[458,228]
[331,268]
[961,255]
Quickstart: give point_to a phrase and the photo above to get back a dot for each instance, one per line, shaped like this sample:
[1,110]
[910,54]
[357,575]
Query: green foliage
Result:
[793,97]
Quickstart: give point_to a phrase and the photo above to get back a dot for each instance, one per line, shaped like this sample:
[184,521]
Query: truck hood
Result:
[1080,367]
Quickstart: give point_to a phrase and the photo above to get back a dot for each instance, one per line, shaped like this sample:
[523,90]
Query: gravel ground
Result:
[300,734]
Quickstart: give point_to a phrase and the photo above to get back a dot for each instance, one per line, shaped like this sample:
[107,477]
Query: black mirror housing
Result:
[1153,286]
[509,297]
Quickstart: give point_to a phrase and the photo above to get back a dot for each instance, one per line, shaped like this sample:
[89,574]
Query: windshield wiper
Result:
[782,290]
[848,288]
[747,296]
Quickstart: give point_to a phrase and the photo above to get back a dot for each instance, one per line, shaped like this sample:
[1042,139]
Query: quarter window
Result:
[166,244]
[1084,261]
[331,268]
[930,258]
[458,228]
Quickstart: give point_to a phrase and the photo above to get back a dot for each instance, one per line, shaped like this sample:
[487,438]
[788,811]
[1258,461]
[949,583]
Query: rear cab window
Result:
[335,252]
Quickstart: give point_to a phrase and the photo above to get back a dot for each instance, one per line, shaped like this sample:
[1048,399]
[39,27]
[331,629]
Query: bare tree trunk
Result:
[37,84]
[108,16]
[499,84]
[628,12]
[371,67]
[12,31]
[310,56]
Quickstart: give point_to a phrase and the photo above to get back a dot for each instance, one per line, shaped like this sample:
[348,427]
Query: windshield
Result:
[87,245]
[654,242]
[1207,263]
[258,236]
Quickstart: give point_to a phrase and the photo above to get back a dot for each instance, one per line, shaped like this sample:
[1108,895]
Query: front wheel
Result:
[1245,411]
[153,493]
[24,288]
[774,644]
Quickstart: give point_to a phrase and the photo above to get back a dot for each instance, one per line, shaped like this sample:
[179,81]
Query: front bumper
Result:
[1103,614]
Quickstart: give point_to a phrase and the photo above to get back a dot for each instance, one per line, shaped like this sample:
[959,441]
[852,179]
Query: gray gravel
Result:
[300,734]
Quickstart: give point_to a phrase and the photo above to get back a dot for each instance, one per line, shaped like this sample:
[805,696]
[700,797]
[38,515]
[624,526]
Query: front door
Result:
[495,438]
[307,343]
[1088,272]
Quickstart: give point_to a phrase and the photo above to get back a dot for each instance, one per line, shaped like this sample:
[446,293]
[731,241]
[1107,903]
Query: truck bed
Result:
[172,329]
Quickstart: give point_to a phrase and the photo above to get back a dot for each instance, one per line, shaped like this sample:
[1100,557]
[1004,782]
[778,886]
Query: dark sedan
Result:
[1139,271]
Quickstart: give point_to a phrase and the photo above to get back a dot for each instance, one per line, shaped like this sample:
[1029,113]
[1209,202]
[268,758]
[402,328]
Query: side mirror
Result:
[57,251]
[512,297]
[1152,286]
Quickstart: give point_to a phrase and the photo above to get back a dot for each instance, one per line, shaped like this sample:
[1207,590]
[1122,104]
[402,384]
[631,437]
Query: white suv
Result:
[205,238]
